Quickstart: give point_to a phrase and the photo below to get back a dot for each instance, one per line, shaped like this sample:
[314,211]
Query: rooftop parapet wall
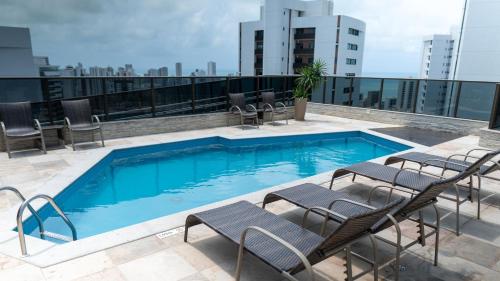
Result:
[439,123]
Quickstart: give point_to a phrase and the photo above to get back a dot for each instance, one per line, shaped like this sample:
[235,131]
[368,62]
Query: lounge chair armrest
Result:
[4,131]
[96,119]
[415,170]
[461,155]
[37,125]
[350,202]
[276,238]
[373,189]
[327,213]
[269,106]
[250,107]
[280,104]
[478,149]
[232,108]
[67,122]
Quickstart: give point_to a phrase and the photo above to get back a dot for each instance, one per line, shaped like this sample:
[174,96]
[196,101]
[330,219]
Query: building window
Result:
[350,61]
[353,31]
[353,47]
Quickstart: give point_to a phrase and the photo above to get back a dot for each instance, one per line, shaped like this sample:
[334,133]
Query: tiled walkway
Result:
[475,255]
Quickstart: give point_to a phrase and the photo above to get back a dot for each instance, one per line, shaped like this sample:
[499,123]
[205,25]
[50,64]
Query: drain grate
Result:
[168,233]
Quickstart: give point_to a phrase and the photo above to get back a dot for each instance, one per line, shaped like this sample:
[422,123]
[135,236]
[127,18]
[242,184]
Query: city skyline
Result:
[196,32]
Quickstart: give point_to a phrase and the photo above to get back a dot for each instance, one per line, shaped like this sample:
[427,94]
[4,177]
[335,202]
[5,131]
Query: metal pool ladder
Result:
[43,232]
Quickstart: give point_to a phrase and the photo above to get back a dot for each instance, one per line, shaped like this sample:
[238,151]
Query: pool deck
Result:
[475,255]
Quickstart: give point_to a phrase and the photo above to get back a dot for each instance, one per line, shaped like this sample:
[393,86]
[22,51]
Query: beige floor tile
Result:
[23,272]
[78,268]
[165,265]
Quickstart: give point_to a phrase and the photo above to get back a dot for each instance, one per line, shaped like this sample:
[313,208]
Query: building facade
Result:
[435,65]
[16,54]
[479,40]
[291,34]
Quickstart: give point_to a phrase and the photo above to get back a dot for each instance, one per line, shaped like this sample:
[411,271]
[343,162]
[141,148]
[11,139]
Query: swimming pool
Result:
[133,185]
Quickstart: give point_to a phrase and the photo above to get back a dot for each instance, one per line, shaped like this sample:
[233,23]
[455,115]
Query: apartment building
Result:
[291,34]
[435,64]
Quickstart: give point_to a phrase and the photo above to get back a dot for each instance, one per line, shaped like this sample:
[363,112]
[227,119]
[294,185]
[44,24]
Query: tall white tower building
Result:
[436,57]
[178,69]
[435,64]
[211,68]
[294,33]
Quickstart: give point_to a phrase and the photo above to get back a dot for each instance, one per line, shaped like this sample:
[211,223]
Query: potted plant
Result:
[310,76]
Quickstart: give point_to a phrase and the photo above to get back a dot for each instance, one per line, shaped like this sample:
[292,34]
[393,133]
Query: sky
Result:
[155,33]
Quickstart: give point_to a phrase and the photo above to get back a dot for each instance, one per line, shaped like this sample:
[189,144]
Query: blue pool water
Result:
[133,185]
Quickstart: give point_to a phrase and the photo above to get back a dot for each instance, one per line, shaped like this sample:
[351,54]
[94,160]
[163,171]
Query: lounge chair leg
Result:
[353,177]
[102,137]
[239,263]
[471,183]
[72,139]
[421,228]
[186,228]
[478,197]
[7,147]
[457,226]
[398,246]
[44,148]
[348,259]
[436,243]
[375,257]
[402,164]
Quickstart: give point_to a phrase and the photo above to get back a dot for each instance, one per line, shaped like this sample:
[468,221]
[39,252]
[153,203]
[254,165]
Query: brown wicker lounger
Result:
[414,180]
[309,195]
[283,245]
[450,163]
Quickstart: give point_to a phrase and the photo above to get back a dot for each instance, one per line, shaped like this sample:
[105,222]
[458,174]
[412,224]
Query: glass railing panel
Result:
[210,94]
[20,89]
[366,92]
[26,89]
[342,88]
[476,100]
[436,97]
[131,97]
[399,94]
[172,96]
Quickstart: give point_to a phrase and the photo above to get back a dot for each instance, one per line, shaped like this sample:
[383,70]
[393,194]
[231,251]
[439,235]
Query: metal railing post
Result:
[193,95]
[46,94]
[380,94]
[324,90]
[351,89]
[105,99]
[228,84]
[153,98]
[457,100]
[495,110]
[257,92]
[415,99]
[334,89]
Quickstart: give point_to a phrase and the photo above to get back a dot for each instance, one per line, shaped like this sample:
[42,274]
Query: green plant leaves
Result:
[309,78]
